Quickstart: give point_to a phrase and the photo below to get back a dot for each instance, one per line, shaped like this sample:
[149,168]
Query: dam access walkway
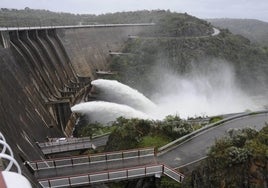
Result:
[99,168]
[60,145]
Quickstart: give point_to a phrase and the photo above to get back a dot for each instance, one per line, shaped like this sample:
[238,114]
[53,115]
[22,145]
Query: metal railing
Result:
[7,176]
[106,176]
[92,159]
[58,141]
[67,147]
[173,174]
[69,144]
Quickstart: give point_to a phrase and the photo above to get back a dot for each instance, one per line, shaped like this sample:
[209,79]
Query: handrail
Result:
[91,159]
[104,176]
[97,154]
[173,174]
[7,176]
[111,175]
[66,142]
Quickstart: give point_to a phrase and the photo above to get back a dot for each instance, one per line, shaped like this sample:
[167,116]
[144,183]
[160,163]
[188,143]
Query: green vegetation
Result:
[94,129]
[176,42]
[240,160]
[189,44]
[32,17]
[136,133]
[157,141]
[180,54]
[215,119]
[133,133]
[83,129]
[167,182]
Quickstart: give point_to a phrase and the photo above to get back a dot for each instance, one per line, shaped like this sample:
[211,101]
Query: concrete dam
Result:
[46,70]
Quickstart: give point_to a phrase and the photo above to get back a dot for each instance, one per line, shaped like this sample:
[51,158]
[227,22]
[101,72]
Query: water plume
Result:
[206,90]
[106,112]
[114,91]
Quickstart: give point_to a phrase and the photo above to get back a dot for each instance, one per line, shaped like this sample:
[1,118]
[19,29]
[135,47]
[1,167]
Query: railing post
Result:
[72,161]
[36,165]
[70,184]
[145,170]
[49,184]
[54,163]
[88,178]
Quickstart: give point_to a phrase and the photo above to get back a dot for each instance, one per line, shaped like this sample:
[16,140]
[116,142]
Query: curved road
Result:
[215,33]
[196,147]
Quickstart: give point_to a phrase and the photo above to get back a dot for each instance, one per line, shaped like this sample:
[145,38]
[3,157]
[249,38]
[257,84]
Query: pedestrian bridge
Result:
[59,145]
[100,168]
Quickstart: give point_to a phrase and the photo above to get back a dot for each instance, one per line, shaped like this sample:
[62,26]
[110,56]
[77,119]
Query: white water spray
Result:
[114,91]
[106,112]
[204,91]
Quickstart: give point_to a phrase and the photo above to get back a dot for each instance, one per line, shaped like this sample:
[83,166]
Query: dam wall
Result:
[43,73]
[88,49]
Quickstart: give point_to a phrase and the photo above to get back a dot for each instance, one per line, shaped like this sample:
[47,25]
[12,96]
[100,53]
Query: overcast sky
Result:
[257,9]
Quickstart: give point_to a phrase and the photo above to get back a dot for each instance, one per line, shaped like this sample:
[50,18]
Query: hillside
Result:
[180,52]
[36,17]
[179,55]
[159,63]
[255,30]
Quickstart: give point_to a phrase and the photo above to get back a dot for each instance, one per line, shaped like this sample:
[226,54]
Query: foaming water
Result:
[105,112]
[114,91]
[206,91]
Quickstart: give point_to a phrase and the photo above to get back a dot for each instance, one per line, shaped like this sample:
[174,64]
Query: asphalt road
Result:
[196,148]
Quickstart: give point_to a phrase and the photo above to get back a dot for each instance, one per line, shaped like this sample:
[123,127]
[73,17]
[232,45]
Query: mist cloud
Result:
[210,89]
